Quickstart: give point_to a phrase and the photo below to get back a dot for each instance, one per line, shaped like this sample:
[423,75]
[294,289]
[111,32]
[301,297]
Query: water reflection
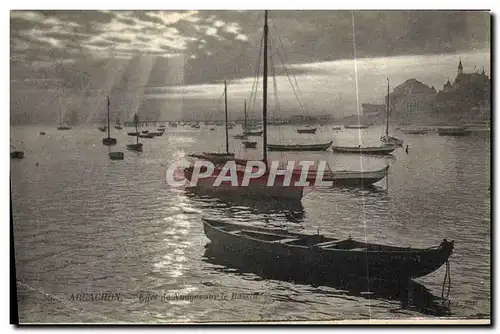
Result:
[411,295]
[274,212]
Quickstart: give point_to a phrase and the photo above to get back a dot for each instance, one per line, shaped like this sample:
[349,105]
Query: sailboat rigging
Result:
[108,140]
[137,146]
[388,139]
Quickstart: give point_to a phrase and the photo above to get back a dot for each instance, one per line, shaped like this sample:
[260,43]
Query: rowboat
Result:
[350,178]
[295,147]
[299,252]
[385,149]
[17,155]
[313,130]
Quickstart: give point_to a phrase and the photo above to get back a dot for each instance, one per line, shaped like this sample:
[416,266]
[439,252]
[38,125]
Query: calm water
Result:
[85,224]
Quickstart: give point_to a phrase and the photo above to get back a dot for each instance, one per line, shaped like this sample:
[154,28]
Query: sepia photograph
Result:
[250,166]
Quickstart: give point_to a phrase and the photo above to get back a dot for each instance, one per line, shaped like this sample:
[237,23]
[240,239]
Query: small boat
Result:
[328,255]
[108,141]
[414,131]
[252,133]
[454,131]
[133,134]
[116,155]
[337,128]
[356,126]
[243,136]
[213,129]
[145,131]
[384,149]
[350,178]
[64,127]
[313,130]
[160,129]
[313,147]
[156,134]
[17,155]
[147,135]
[102,128]
[137,146]
[42,133]
[388,139]
[118,124]
[250,144]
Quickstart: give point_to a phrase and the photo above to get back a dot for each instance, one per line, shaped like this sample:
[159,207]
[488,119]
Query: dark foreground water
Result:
[86,225]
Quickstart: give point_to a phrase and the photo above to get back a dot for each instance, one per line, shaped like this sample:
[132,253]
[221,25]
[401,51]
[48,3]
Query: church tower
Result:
[460,67]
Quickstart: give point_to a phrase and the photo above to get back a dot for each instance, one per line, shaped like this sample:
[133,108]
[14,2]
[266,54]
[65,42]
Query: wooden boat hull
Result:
[116,155]
[253,133]
[257,188]
[283,148]
[391,140]
[17,155]
[133,134]
[454,132]
[62,128]
[306,130]
[296,252]
[364,150]
[351,178]
[135,147]
[109,141]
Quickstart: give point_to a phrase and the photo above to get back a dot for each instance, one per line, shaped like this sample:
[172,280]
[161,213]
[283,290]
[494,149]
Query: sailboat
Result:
[219,157]
[108,140]
[250,129]
[245,124]
[103,127]
[62,126]
[137,146]
[118,125]
[257,187]
[388,139]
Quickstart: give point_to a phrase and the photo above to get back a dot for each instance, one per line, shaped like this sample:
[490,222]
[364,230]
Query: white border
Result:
[147,4]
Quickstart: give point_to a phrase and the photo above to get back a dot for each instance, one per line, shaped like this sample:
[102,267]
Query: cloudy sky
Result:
[172,64]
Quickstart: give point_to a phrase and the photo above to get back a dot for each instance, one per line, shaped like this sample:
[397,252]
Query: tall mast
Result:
[108,115]
[387,111]
[264,101]
[225,108]
[245,111]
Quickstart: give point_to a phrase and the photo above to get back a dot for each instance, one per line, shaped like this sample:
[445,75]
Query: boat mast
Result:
[245,111]
[264,101]
[108,115]
[136,119]
[387,111]
[225,109]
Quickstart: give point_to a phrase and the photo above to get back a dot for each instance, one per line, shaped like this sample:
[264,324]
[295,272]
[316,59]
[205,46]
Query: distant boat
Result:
[295,147]
[414,131]
[350,178]
[337,128]
[102,128]
[388,139]
[116,155]
[17,155]
[240,137]
[356,126]
[313,130]
[147,135]
[64,127]
[156,134]
[118,124]
[145,131]
[137,146]
[42,133]
[253,133]
[108,140]
[384,149]
[250,144]
[133,134]
[454,131]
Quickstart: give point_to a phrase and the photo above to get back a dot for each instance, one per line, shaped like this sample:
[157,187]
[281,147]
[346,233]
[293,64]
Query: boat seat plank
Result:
[282,241]
[329,243]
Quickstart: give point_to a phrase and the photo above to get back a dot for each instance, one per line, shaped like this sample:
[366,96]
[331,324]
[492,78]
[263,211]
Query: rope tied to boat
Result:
[447,275]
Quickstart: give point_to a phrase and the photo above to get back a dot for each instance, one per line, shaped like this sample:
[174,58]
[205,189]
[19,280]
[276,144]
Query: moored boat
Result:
[386,138]
[17,155]
[307,130]
[108,141]
[137,146]
[295,147]
[356,126]
[414,131]
[350,178]
[133,134]
[327,254]
[384,149]
[454,131]
[116,155]
[250,144]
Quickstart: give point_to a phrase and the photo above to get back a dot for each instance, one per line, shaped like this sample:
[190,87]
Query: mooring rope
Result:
[447,275]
